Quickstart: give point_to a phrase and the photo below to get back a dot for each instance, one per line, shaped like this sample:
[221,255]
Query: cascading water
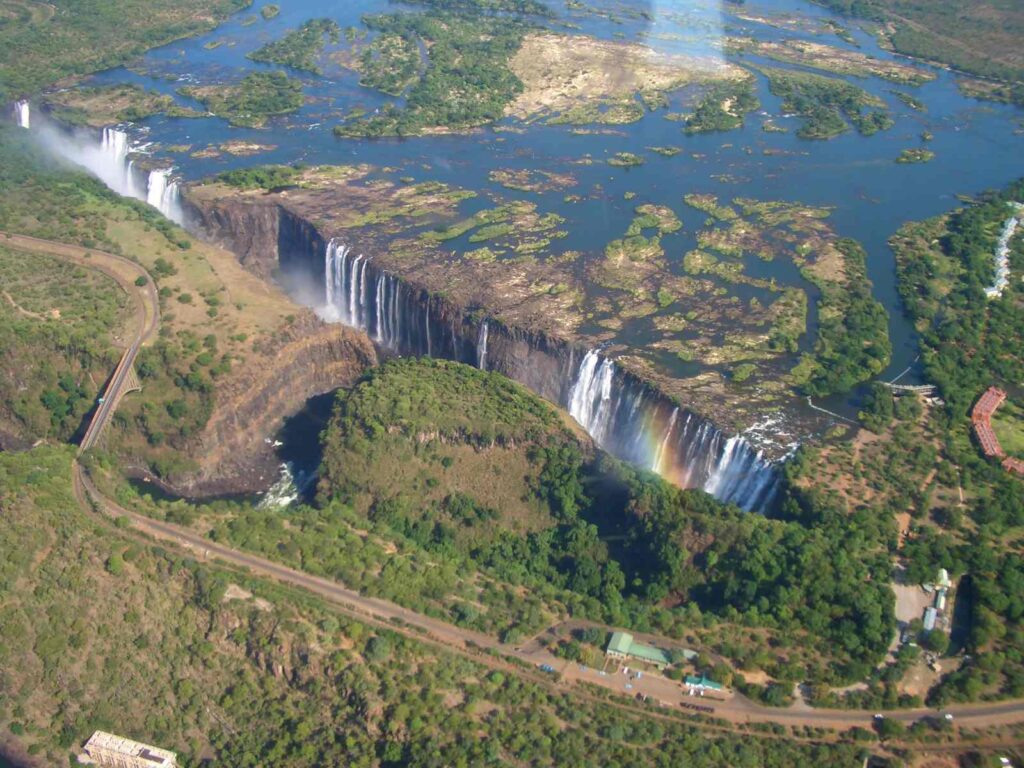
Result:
[687,450]
[481,347]
[22,114]
[112,160]
[623,416]
[162,192]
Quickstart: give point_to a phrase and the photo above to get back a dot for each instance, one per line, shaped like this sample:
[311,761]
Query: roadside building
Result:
[981,417]
[110,751]
[623,647]
[702,683]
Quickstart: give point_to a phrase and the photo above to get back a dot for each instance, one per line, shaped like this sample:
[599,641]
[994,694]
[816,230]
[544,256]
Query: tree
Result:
[115,564]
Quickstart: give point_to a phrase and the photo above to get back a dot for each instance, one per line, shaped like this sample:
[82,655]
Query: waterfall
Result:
[689,451]
[162,192]
[22,114]
[379,334]
[481,347]
[113,160]
[353,295]
[621,414]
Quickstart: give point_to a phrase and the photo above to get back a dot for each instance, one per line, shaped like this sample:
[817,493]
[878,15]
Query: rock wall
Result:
[309,359]
[623,414]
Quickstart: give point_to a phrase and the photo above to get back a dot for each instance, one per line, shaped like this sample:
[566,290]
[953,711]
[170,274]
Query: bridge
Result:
[122,382]
[921,389]
[126,273]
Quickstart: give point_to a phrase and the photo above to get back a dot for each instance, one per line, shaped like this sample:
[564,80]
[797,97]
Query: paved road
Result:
[734,708]
[669,693]
[147,310]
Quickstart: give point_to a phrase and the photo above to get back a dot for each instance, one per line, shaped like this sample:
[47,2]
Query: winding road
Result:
[523,660]
[124,272]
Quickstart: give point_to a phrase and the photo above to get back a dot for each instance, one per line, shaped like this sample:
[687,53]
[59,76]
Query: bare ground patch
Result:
[560,72]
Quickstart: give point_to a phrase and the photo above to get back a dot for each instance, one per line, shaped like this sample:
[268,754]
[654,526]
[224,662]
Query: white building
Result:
[110,751]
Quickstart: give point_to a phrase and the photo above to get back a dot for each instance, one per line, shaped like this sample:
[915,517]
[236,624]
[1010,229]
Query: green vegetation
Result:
[601,112]
[267,177]
[91,35]
[518,7]
[56,322]
[200,343]
[911,101]
[390,64]
[300,48]
[723,107]
[625,160]
[466,81]
[853,327]
[839,61]
[270,11]
[517,225]
[1008,424]
[659,217]
[908,156]
[982,38]
[258,96]
[246,673]
[105,105]
[483,473]
[709,205]
[531,180]
[827,104]
[969,343]
[665,151]
[1004,93]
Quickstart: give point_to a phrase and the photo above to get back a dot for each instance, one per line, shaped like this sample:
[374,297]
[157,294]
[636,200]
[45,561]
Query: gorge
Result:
[624,415]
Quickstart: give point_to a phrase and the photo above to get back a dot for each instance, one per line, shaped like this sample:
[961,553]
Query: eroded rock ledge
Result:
[534,307]
[308,359]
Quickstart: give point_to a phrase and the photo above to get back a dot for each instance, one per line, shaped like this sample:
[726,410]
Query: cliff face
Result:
[250,232]
[625,415]
[311,358]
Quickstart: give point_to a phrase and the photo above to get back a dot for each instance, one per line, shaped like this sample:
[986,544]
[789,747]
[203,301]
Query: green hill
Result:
[464,464]
[445,452]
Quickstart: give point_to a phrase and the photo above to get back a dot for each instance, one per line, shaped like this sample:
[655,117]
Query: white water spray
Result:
[113,159]
[22,114]
[481,347]
[691,451]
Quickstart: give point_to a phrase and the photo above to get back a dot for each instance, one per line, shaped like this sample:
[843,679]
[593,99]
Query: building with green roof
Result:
[622,646]
[702,682]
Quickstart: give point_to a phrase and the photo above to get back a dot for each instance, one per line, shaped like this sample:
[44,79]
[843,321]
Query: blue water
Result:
[975,143]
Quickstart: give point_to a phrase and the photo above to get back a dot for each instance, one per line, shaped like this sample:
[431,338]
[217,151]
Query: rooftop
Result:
[623,643]
[620,642]
[101,741]
[702,682]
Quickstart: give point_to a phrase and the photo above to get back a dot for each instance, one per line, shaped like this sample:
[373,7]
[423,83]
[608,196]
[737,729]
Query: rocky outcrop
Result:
[624,414]
[309,359]
[251,232]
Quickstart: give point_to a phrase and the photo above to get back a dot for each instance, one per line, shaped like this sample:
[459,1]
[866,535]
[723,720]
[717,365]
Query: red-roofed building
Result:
[981,416]
[987,404]
[1014,465]
[987,438]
